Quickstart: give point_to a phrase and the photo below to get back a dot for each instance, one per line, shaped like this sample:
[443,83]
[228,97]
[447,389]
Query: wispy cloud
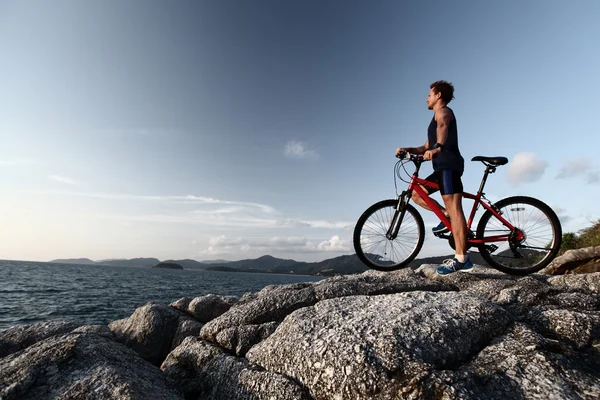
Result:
[525,168]
[17,161]
[579,167]
[574,168]
[208,211]
[224,246]
[299,150]
[62,179]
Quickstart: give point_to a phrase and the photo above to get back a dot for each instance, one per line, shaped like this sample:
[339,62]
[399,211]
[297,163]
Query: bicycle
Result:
[516,235]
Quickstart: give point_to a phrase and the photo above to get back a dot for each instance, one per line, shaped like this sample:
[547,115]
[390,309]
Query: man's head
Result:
[441,92]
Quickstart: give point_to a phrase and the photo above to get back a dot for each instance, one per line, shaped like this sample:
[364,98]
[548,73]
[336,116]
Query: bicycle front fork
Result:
[392,231]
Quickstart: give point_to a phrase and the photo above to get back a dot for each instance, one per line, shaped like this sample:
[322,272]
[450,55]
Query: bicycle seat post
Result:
[490,169]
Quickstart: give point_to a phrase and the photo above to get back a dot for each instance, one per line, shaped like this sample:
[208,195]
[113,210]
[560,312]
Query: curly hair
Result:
[445,88]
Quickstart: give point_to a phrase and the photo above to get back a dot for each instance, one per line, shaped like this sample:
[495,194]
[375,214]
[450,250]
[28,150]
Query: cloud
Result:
[62,179]
[525,167]
[579,167]
[593,177]
[562,215]
[17,161]
[295,149]
[574,168]
[199,210]
[223,245]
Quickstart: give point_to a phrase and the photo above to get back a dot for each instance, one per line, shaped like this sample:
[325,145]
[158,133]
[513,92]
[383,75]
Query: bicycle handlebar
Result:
[405,155]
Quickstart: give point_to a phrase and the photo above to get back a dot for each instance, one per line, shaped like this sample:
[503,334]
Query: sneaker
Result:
[452,265]
[441,228]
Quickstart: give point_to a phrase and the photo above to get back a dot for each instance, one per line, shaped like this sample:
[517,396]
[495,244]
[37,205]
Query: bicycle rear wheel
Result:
[372,245]
[542,236]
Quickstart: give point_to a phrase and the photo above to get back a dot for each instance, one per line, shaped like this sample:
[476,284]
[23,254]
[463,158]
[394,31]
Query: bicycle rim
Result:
[375,249]
[543,235]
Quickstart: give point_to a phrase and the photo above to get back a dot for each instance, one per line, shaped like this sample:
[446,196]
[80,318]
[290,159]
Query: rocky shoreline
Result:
[405,334]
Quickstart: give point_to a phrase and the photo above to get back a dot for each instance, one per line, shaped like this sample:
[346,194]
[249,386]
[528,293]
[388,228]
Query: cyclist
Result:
[448,167]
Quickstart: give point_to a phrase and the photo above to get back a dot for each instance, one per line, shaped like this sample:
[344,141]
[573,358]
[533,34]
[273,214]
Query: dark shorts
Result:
[448,180]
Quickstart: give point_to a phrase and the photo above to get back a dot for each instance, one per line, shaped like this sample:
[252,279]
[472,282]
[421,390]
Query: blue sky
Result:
[232,129]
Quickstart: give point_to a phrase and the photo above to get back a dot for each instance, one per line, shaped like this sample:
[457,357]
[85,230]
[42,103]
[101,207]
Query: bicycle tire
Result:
[541,227]
[378,252]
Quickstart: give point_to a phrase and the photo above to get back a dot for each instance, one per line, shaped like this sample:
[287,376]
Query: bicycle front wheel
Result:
[541,242]
[374,247]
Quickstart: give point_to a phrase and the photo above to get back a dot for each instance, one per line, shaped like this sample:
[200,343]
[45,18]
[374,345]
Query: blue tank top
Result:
[450,157]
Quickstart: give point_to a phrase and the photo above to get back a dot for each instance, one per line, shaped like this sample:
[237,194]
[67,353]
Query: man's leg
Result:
[419,200]
[451,189]
[453,204]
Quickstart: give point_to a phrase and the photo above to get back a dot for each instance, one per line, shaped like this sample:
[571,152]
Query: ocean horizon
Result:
[32,292]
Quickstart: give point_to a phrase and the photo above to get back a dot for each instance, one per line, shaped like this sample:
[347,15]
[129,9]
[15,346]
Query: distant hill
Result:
[219,261]
[81,261]
[346,264]
[133,262]
[339,265]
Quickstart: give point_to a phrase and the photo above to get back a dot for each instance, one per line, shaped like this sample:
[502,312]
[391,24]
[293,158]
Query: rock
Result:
[206,308]
[7,347]
[184,364]
[241,338]
[587,283]
[182,304]
[149,331]
[578,328]
[22,336]
[363,347]
[186,327]
[376,282]
[572,259]
[272,303]
[81,366]
[520,364]
[227,378]
[101,330]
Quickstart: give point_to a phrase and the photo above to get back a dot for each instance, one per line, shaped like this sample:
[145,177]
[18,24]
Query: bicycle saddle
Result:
[495,161]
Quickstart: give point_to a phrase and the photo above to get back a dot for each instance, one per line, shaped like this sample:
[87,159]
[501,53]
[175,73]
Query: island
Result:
[168,265]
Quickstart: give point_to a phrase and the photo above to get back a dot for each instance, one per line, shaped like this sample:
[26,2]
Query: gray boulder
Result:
[101,330]
[272,303]
[585,283]
[229,378]
[240,339]
[366,347]
[577,328]
[206,308]
[186,326]
[81,366]
[184,364]
[275,302]
[376,282]
[520,364]
[20,337]
[182,304]
[149,331]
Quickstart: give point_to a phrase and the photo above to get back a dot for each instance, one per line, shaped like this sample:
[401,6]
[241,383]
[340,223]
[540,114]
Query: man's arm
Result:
[414,150]
[443,117]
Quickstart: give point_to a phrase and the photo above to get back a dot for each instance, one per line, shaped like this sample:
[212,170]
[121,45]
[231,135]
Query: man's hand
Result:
[429,154]
[400,150]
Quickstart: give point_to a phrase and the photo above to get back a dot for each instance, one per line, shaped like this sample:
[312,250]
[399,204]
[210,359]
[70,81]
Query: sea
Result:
[33,292]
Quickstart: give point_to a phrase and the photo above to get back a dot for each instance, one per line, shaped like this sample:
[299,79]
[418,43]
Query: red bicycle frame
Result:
[414,185]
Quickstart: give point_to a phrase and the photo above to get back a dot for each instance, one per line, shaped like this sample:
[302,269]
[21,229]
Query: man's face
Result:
[432,99]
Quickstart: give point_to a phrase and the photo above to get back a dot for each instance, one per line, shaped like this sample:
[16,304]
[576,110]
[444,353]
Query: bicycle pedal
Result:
[491,248]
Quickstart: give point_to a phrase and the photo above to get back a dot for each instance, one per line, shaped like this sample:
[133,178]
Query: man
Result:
[448,165]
